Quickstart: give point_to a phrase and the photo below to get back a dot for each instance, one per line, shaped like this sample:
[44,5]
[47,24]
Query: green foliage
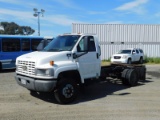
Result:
[155,60]
[14,29]
[106,60]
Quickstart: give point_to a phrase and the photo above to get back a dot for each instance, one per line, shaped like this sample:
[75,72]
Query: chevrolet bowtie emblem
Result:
[24,68]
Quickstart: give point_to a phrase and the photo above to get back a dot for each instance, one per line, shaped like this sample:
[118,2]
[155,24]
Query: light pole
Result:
[36,14]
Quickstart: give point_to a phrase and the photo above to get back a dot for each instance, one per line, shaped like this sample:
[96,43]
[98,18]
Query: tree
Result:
[14,29]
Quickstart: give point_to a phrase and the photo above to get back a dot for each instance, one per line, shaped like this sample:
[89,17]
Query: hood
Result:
[121,54]
[41,57]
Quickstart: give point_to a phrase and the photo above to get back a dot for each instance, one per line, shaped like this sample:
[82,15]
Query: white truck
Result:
[67,63]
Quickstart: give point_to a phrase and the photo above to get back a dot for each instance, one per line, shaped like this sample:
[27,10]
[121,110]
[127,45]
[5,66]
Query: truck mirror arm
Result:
[75,55]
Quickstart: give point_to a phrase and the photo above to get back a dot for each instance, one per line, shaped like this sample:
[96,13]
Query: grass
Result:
[105,62]
[152,60]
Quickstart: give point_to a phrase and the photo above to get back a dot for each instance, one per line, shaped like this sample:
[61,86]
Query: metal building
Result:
[114,37]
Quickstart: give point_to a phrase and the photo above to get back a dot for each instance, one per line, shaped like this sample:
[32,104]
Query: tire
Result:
[143,73]
[103,75]
[123,76]
[129,61]
[141,60]
[66,91]
[132,77]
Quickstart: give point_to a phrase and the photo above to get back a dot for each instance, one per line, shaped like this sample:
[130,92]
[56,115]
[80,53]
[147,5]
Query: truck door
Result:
[89,63]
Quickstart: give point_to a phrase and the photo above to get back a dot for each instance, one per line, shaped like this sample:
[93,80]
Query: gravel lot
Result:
[107,100]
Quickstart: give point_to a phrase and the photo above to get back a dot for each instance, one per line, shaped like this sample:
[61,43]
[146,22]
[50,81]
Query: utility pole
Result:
[36,14]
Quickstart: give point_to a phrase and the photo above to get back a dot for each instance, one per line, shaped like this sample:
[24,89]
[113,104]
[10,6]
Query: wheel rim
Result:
[68,91]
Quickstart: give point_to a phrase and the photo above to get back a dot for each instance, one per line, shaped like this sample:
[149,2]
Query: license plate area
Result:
[23,81]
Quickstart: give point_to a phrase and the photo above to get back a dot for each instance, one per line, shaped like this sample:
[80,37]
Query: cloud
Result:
[10,1]
[21,3]
[16,15]
[26,16]
[67,3]
[135,6]
[19,14]
[157,14]
[61,20]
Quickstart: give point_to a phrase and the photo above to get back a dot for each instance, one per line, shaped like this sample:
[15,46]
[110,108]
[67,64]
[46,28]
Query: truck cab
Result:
[66,63]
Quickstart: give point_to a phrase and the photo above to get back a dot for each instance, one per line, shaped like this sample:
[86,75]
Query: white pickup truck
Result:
[67,63]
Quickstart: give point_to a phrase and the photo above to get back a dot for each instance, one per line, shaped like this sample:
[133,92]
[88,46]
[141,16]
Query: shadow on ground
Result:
[96,90]
[7,70]
[154,73]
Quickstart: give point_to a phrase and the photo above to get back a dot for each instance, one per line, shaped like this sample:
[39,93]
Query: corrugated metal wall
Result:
[114,37]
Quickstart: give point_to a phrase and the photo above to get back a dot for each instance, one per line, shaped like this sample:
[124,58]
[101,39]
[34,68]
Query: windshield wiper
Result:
[52,50]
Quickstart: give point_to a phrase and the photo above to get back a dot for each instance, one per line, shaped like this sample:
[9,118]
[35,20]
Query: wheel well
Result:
[74,74]
[130,58]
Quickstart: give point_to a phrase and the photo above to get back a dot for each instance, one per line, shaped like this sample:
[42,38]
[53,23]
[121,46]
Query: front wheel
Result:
[66,91]
[129,61]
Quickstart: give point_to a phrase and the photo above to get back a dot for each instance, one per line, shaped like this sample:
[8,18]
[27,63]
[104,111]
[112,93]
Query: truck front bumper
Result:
[36,84]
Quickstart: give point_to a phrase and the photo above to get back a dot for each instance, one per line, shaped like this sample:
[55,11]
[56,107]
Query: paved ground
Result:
[108,100]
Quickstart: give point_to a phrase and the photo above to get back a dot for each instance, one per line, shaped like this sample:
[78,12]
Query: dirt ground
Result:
[107,100]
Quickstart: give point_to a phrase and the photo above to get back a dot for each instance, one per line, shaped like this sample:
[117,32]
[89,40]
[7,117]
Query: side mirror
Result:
[74,56]
[99,50]
[133,52]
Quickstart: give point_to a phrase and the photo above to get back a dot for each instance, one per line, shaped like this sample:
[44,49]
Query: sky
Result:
[60,14]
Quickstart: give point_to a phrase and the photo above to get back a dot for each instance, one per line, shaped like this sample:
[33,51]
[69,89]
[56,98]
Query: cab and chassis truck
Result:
[67,63]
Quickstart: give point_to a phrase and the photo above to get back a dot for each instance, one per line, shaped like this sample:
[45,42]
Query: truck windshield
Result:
[62,43]
[125,52]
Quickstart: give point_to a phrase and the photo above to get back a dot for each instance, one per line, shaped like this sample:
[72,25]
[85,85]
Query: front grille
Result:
[117,57]
[26,67]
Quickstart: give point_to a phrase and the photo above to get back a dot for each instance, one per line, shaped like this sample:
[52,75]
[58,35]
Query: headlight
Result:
[124,56]
[44,72]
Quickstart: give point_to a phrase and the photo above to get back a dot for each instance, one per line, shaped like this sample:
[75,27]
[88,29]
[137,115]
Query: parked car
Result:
[128,56]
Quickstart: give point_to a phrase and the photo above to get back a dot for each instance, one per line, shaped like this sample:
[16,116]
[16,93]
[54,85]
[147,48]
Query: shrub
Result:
[155,60]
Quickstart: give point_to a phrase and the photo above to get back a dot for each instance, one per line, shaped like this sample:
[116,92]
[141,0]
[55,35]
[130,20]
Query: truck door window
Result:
[80,47]
[91,44]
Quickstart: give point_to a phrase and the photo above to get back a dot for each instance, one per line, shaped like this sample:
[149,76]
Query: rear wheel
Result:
[141,60]
[124,80]
[132,77]
[129,77]
[66,90]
